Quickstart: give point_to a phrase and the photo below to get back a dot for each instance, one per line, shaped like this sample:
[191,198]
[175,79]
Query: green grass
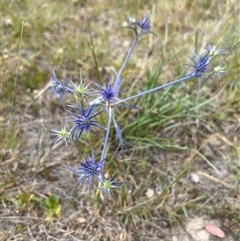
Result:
[173,134]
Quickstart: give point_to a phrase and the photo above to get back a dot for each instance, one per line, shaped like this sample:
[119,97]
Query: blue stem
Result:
[118,78]
[107,133]
[155,89]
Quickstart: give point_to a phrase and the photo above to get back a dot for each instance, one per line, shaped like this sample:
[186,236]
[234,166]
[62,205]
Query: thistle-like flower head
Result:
[62,134]
[144,23]
[132,19]
[214,51]
[200,66]
[88,169]
[59,88]
[84,121]
[219,70]
[106,185]
[107,94]
[81,90]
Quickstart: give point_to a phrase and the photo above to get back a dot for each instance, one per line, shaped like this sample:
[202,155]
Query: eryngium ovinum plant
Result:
[104,100]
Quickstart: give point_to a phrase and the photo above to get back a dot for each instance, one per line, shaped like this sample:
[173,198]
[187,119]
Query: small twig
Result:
[215,180]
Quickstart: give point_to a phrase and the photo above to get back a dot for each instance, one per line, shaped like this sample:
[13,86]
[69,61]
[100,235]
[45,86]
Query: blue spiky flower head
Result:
[143,25]
[59,88]
[200,66]
[88,169]
[84,121]
[107,94]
